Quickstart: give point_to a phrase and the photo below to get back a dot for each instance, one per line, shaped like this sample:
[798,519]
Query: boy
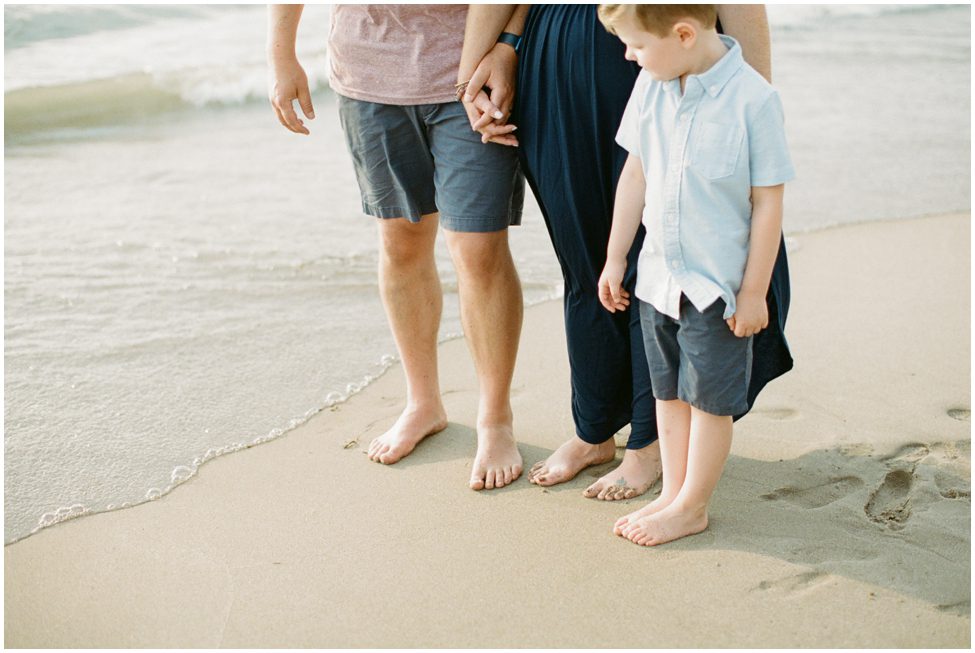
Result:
[707,164]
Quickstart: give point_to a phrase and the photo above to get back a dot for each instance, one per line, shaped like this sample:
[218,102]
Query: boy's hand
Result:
[611,293]
[751,315]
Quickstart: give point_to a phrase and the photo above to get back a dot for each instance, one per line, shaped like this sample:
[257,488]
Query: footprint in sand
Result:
[911,453]
[890,504]
[960,414]
[816,496]
[949,487]
[778,414]
[804,580]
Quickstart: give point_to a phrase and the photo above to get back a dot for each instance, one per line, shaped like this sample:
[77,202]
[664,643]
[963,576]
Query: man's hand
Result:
[611,293]
[289,83]
[751,315]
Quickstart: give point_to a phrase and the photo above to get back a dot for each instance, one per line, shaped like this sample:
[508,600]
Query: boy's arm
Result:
[751,313]
[288,80]
[627,214]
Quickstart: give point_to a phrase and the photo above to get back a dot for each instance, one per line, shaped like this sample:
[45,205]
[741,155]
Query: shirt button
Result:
[713,89]
[673,264]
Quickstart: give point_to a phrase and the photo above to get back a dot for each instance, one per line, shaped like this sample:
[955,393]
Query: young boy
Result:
[707,164]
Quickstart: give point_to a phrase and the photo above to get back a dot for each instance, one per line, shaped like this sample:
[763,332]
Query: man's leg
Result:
[411,294]
[491,311]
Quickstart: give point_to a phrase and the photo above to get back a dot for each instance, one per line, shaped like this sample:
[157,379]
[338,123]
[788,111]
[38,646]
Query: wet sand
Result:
[843,517]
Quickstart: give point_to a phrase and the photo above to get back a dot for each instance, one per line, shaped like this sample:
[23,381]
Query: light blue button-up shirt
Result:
[702,152]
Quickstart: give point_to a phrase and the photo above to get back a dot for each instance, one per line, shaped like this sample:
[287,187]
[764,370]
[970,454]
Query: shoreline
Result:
[386,361]
[302,543]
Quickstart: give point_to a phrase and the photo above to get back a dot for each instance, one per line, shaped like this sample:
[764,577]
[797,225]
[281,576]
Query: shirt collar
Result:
[713,80]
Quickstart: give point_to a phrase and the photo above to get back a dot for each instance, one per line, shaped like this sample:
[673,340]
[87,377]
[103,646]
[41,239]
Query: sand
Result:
[842,519]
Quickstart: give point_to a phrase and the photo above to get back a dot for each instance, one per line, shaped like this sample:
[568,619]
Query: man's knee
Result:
[479,254]
[405,243]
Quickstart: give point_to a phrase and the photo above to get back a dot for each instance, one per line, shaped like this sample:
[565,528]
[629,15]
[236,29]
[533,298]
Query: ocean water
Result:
[184,278]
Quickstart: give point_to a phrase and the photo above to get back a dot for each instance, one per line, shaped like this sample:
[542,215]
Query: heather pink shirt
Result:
[396,54]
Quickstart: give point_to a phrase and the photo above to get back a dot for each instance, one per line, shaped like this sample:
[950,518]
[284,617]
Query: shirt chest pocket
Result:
[716,149]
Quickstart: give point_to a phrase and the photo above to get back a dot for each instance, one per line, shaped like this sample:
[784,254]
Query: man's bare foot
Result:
[570,459]
[667,525]
[637,473]
[411,427]
[498,461]
[654,506]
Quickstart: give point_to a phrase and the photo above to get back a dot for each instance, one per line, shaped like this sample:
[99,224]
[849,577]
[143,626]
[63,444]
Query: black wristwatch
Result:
[511,39]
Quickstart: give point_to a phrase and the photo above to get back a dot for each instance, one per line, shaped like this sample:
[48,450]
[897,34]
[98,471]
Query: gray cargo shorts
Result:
[413,160]
[697,358]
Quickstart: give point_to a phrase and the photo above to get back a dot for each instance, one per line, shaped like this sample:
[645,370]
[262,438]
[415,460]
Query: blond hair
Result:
[657,19]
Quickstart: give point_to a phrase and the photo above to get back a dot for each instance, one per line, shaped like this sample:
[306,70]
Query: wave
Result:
[136,97]
[792,17]
[27,24]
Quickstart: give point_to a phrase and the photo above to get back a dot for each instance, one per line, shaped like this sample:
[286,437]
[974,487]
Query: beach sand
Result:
[842,519]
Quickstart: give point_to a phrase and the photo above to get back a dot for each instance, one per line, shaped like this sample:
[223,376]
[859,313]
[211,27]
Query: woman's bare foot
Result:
[637,473]
[667,525]
[570,459]
[411,427]
[654,506]
[498,461]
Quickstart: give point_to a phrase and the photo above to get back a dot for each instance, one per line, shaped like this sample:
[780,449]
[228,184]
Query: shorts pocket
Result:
[716,149]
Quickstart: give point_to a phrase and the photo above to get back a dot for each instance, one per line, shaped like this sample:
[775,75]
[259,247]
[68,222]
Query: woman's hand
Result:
[288,83]
[489,114]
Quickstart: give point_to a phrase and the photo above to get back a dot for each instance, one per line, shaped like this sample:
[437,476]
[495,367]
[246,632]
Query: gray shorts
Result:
[414,160]
[697,358]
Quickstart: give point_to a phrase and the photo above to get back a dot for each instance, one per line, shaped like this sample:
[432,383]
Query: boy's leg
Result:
[687,514]
[411,294]
[491,309]
[673,429]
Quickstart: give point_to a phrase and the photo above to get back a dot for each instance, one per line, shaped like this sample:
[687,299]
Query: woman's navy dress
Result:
[573,85]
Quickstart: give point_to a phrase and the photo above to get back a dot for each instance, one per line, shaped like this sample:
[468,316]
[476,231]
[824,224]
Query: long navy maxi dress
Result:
[573,85]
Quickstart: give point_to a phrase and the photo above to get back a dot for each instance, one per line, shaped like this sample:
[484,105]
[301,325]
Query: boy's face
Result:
[664,57]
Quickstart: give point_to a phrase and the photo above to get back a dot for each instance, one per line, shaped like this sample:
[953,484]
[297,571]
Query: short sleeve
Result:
[628,135]
[768,153]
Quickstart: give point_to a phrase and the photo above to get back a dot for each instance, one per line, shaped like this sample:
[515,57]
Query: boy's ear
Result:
[686,32]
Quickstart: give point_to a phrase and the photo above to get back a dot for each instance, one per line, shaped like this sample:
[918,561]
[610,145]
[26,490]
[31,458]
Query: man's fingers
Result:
[476,83]
[291,118]
[731,323]
[304,100]
[483,103]
[510,141]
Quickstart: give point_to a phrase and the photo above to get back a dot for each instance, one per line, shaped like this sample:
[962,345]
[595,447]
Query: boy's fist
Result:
[751,315]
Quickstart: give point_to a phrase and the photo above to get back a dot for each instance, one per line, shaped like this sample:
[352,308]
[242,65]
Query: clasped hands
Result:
[488,113]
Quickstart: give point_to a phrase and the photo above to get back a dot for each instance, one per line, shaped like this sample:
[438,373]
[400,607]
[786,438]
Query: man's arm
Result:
[749,25]
[751,313]
[627,213]
[288,80]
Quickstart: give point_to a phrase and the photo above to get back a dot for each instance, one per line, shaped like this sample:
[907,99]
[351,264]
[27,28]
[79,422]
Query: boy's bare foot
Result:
[637,473]
[667,525]
[570,459]
[498,461]
[654,506]
[411,427]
